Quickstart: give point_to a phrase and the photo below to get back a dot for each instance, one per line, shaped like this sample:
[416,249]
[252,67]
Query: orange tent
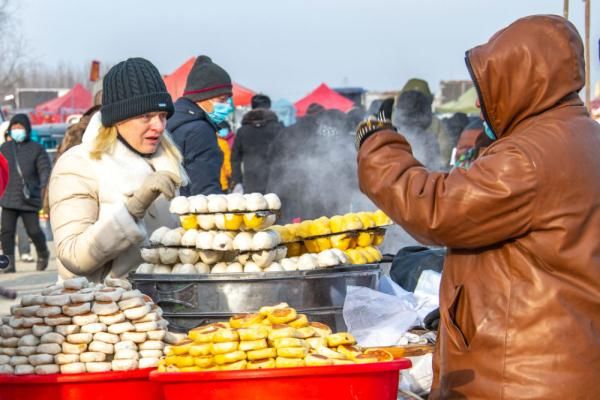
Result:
[328,98]
[175,83]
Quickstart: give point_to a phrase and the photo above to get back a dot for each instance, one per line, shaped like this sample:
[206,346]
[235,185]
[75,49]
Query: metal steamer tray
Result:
[189,300]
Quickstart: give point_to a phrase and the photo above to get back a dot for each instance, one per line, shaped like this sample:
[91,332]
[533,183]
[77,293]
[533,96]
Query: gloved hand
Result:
[154,185]
[369,127]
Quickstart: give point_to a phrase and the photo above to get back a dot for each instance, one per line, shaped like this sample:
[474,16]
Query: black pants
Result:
[8,229]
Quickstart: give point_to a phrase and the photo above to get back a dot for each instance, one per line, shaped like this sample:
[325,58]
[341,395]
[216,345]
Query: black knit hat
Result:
[133,87]
[207,80]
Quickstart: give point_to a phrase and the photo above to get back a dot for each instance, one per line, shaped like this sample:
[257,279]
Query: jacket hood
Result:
[529,67]
[187,111]
[21,119]
[259,117]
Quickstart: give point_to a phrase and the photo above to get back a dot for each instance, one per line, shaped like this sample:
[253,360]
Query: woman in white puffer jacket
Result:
[108,193]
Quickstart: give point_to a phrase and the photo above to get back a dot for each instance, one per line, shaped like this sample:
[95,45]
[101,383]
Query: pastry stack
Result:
[276,337]
[77,327]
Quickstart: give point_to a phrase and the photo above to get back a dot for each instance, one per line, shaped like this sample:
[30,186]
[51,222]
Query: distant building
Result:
[452,90]
[356,94]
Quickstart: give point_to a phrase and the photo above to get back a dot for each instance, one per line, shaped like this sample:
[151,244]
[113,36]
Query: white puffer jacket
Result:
[94,233]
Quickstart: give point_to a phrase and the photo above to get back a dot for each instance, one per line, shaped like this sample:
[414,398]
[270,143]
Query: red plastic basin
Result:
[127,385]
[378,381]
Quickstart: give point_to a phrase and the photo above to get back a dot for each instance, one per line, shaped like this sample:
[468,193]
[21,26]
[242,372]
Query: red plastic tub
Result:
[378,381]
[128,385]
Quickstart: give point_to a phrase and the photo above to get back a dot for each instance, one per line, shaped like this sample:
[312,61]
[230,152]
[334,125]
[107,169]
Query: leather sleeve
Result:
[489,203]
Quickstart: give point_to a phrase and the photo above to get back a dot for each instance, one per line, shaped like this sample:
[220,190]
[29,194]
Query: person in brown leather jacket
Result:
[520,292]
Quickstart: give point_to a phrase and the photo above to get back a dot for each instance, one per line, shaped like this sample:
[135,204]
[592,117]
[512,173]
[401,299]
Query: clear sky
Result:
[285,47]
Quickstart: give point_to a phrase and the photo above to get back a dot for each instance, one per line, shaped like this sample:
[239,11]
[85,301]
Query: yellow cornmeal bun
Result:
[365,359]
[261,364]
[305,333]
[281,331]
[204,361]
[349,351]
[233,366]
[225,335]
[338,339]
[245,320]
[321,329]
[292,352]
[300,322]
[266,310]
[253,333]
[224,347]
[229,358]
[283,362]
[202,349]
[342,362]
[253,345]
[316,342]
[288,342]
[184,361]
[190,369]
[202,334]
[181,349]
[324,351]
[316,360]
[283,315]
[261,354]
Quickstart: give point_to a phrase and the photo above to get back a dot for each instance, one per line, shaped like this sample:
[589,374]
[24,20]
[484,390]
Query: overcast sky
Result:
[285,47]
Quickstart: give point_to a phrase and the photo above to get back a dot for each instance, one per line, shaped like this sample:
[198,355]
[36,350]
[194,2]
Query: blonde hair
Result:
[107,137]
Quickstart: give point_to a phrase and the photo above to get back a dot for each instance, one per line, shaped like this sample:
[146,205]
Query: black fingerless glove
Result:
[368,127]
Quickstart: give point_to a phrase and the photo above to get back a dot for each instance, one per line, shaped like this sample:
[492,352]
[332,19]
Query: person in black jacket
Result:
[250,156]
[29,169]
[206,102]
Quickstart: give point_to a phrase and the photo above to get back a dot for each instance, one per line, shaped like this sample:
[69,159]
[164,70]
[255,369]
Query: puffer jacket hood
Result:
[259,118]
[21,119]
[537,79]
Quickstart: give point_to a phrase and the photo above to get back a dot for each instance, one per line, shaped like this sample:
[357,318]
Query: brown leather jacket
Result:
[520,293]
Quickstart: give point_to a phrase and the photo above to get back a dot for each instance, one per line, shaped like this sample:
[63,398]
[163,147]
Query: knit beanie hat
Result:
[133,87]
[207,80]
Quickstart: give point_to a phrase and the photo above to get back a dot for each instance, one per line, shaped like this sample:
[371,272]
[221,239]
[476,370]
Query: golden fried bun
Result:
[283,315]
[317,360]
[261,364]
[305,333]
[184,361]
[253,345]
[338,339]
[224,347]
[349,351]
[266,310]
[316,342]
[380,354]
[321,329]
[236,366]
[300,322]
[288,342]
[342,362]
[292,352]
[202,349]
[204,361]
[261,354]
[327,352]
[365,359]
[181,349]
[283,362]
[245,320]
[202,334]
[229,358]
[253,333]
[225,335]
[281,331]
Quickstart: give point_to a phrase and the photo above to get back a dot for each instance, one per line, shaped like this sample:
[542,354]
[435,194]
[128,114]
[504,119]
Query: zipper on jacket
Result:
[478,90]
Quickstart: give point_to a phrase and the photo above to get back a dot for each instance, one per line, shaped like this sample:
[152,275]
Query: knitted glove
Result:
[369,127]
[154,185]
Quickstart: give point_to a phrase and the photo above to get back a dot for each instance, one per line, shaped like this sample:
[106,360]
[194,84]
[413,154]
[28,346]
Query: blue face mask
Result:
[488,131]
[18,135]
[221,111]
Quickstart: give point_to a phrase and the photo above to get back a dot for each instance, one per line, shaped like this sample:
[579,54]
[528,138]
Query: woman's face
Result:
[144,132]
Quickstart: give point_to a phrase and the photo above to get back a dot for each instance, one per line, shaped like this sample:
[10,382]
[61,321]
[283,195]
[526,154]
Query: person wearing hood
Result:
[29,169]
[519,297]
[110,192]
[250,156]
[206,102]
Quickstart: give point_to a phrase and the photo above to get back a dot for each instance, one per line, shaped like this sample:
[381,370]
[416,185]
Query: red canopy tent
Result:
[175,83]
[325,96]
[76,100]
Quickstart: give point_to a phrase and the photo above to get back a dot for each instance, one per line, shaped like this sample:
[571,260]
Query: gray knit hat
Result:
[207,80]
[133,87]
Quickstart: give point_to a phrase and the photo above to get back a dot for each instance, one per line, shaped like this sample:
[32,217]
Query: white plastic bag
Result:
[378,319]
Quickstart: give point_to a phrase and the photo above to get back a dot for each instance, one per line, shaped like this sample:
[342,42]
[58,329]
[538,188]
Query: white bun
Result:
[18,360]
[145,269]
[29,322]
[289,264]
[49,348]
[210,256]
[98,367]
[189,238]
[156,335]
[117,283]
[41,330]
[25,369]
[179,205]
[206,222]
[122,327]
[280,253]
[251,267]
[137,312]
[106,337]
[47,369]
[79,338]
[52,337]
[94,328]
[124,365]
[223,241]
[198,204]
[41,359]
[109,294]
[105,307]
[162,269]
[236,202]
[57,300]
[172,238]
[92,356]
[243,241]
[219,268]
[273,201]
[74,348]
[26,350]
[75,283]
[101,347]
[255,202]
[157,235]
[235,268]
[217,203]
[126,355]
[186,268]
[56,320]
[48,311]
[327,258]
[151,353]
[307,262]
[131,303]
[168,256]
[82,297]
[264,258]
[150,255]
[126,345]
[202,268]
[67,329]
[131,294]
[274,267]
[74,368]
[76,309]
[135,337]
[62,358]
[153,344]
[150,362]
[85,319]
[30,311]
[114,318]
